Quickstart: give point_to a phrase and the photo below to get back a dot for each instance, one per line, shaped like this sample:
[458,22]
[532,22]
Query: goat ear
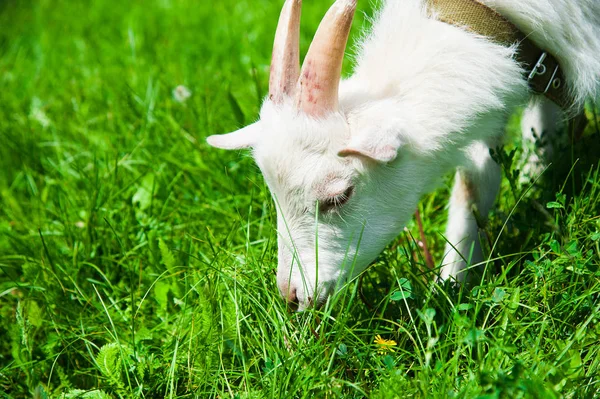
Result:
[243,138]
[383,150]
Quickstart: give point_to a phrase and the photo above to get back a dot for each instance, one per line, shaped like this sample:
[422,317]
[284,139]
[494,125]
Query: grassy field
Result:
[135,261]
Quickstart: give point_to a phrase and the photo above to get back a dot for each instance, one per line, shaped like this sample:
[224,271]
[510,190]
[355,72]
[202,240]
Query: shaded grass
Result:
[134,261]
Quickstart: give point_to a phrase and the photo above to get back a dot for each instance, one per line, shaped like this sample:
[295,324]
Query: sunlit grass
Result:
[137,262]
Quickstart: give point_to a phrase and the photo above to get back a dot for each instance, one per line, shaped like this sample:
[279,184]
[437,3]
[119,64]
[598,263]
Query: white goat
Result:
[347,162]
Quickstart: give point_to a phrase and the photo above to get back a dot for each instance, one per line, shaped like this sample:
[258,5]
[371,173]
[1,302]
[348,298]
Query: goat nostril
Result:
[292,299]
[289,294]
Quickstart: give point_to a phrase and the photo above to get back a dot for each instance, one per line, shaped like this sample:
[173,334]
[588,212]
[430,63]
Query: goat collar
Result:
[542,69]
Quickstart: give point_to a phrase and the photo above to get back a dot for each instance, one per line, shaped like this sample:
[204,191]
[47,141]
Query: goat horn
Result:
[285,61]
[320,76]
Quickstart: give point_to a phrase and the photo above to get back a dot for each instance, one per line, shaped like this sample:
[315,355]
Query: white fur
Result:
[567,29]
[425,98]
[541,125]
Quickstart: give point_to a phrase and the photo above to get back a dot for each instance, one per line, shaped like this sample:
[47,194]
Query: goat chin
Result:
[425,98]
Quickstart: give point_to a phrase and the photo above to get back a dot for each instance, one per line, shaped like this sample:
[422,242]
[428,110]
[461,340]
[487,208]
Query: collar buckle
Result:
[539,70]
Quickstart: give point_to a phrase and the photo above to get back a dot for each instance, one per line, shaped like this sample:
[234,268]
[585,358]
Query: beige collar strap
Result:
[544,73]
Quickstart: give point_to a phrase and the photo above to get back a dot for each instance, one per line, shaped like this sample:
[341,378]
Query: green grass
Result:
[137,262]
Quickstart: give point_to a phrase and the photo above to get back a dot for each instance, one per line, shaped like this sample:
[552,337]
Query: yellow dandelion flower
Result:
[384,345]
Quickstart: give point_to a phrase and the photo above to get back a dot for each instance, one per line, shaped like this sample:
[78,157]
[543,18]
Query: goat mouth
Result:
[296,307]
[320,300]
[315,301]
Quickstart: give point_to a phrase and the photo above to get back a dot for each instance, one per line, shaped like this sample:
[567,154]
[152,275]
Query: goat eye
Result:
[335,202]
